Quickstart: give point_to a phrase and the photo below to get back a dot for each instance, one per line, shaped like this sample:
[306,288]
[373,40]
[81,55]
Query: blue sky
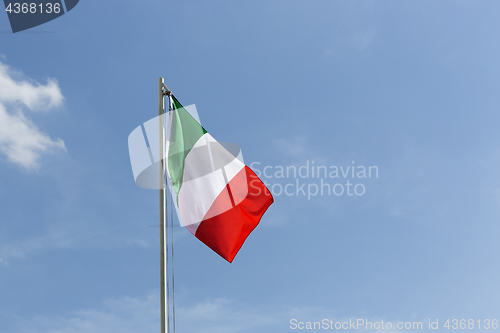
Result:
[408,86]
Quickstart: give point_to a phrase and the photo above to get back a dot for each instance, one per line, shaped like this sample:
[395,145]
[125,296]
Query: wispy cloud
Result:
[20,139]
[222,315]
[364,39]
[74,234]
[294,146]
[19,249]
[125,315]
[141,314]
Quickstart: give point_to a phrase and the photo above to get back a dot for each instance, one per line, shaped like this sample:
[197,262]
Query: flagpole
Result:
[161,129]
[164,246]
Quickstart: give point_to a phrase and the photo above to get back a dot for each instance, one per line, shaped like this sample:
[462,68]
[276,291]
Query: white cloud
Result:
[224,316]
[364,39]
[35,96]
[20,139]
[294,146]
[141,314]
[124,315]
[19,249]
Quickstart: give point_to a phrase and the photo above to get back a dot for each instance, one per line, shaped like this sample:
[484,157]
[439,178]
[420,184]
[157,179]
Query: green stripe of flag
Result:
[184,133]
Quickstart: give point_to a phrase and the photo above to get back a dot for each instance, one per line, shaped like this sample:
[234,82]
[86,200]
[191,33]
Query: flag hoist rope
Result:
[166,242]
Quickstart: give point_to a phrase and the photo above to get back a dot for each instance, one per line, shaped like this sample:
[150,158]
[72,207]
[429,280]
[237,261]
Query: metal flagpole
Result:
[165,311]
[161,129]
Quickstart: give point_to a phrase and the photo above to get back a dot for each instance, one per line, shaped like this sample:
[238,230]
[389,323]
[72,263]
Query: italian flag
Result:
[218,198]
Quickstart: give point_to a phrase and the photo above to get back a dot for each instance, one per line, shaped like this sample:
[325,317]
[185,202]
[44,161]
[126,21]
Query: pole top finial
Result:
[164,89]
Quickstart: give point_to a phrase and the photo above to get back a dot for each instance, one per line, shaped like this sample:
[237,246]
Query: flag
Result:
[218,198]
